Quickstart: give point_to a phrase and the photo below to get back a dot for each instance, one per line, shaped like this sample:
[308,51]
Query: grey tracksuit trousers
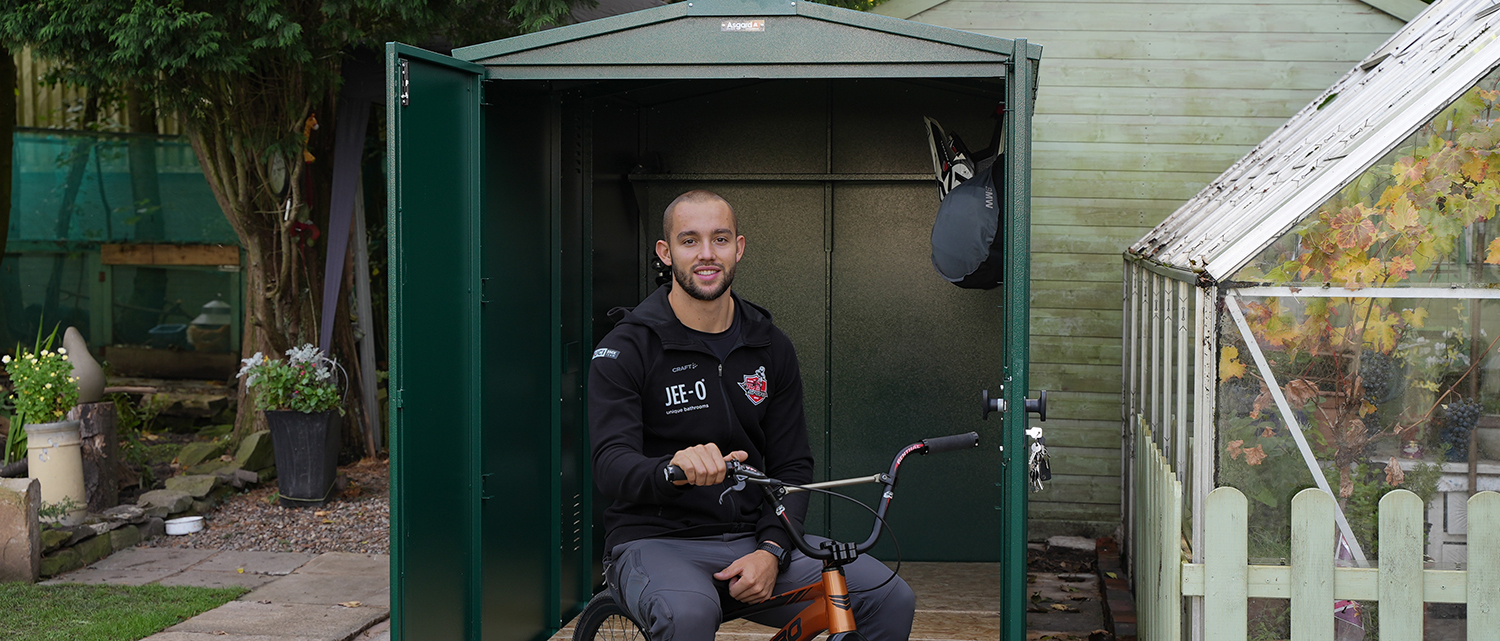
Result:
[668,585]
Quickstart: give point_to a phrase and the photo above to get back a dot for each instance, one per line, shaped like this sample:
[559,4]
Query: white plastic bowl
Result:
[184,525]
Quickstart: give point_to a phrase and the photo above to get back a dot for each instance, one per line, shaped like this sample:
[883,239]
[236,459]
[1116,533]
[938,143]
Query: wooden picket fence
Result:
[1312,581]
[1158,558]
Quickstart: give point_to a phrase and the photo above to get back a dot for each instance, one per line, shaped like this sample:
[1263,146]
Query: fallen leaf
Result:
[1111,575]
[1254,455]
[327,522]
[226,458]
[321,513]
[1063,607]
[1268,432]
[351,604]
[1393,472]
[240,570]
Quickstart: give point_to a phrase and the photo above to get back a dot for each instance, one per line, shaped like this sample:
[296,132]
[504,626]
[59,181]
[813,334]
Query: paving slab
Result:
[347,563]
[206,579]
[324,589]
[269,563]
[378,632]
[178,559]
[135,566]
[1064,603]
[300,621]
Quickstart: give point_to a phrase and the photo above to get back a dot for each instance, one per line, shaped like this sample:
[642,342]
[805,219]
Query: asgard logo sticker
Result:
[755,385]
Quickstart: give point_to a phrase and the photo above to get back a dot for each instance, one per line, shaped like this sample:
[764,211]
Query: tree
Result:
[246,77]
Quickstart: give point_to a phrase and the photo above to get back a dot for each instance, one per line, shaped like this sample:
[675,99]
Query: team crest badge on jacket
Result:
[755,385]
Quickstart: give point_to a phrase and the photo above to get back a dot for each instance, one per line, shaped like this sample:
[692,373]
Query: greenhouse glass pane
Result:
[1422,215]
[1386,393]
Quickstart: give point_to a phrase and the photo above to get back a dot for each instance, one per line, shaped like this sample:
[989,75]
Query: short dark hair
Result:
[695,196]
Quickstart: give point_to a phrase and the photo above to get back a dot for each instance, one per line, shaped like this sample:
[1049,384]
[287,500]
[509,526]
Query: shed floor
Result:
[961,602]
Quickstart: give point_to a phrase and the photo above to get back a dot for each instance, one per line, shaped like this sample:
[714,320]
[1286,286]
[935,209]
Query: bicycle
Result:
[828,606]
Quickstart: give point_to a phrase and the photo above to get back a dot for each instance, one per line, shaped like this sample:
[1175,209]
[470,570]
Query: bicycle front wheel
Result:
[604,620]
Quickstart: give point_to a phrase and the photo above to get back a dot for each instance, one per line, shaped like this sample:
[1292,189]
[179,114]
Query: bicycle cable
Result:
[883,523]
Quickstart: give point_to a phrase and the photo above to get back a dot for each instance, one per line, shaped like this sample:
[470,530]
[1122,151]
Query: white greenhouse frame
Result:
[1177,293]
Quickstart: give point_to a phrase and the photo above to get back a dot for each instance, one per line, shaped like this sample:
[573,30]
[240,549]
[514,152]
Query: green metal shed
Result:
[528,177]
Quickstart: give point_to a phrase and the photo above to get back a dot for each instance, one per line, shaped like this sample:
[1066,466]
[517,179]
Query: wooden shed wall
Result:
[1141,104]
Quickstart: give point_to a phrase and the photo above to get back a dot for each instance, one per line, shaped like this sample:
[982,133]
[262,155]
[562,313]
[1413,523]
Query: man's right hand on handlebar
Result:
[704,464]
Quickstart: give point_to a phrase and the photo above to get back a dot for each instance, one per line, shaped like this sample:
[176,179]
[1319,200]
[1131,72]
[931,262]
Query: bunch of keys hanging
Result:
[1038,462]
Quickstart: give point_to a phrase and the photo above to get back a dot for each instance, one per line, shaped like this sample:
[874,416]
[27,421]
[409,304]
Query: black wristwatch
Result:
[783,558]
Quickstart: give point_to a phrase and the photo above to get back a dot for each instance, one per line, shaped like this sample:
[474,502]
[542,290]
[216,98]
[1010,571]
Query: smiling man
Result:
[692,377]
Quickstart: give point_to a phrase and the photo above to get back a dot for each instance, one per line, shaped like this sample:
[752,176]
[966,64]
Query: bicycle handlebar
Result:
[950,443]
[775,489]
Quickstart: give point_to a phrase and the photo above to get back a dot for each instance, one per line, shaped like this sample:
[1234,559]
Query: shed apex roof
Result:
[1331,141]
[673,25]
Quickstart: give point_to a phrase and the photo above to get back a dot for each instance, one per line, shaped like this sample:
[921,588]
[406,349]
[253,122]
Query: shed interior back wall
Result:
[890,353]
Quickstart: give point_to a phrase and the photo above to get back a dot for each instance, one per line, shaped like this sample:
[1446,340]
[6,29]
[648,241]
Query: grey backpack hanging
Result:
[967,243]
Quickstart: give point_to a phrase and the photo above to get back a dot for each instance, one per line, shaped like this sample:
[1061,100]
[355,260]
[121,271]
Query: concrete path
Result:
[294,597]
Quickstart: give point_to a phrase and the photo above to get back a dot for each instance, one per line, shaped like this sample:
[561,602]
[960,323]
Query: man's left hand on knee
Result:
[752,578]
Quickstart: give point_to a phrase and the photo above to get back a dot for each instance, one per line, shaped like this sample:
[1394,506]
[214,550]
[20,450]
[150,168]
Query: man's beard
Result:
[685,280]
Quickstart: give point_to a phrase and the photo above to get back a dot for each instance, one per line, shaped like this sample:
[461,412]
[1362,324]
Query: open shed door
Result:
[434,137]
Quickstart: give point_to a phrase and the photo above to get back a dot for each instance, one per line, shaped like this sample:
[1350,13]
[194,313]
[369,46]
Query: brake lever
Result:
[739,485]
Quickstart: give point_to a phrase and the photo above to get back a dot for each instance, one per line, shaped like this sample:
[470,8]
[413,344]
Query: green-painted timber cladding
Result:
[520,215]
[1140,105]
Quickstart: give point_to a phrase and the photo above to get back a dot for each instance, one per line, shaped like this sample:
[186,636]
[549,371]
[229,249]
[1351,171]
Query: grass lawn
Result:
[100,612]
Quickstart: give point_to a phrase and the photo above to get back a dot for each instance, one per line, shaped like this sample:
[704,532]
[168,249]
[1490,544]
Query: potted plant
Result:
[44,392]
[302,405]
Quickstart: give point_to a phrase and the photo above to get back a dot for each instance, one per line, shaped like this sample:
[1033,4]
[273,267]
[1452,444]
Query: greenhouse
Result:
[1326,314]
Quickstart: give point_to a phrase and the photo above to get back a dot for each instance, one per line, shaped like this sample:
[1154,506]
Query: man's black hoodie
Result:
[656,388]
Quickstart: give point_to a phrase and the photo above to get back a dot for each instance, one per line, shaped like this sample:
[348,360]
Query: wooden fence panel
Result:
[1225,607]
[1312,565]
[1401,530]
[1483,580]
[1313,580]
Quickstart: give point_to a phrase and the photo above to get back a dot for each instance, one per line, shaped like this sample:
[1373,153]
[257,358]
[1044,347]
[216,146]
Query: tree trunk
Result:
[232,138]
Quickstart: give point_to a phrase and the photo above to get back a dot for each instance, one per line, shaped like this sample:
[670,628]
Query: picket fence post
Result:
[1401,531]
[1312,565]
[1224,565]
[1483,580]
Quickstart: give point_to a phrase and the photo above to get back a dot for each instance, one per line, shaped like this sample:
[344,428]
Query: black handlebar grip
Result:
[674,473]
[951,443]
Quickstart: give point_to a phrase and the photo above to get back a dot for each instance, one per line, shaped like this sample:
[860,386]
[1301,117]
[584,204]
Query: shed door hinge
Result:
[405,83]
[396,400]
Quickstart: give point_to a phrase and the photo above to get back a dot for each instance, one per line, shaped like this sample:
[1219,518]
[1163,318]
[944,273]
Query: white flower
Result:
[304,354]
[246,364]
[62,350]
[5,359]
